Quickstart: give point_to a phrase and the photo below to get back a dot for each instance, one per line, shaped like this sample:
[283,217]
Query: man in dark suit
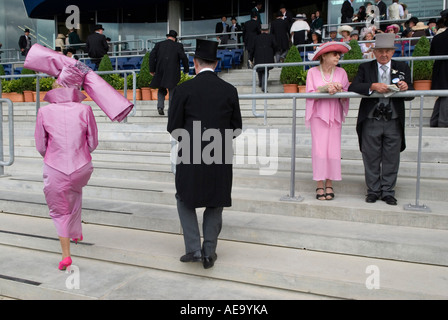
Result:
[380,124]
[222,27]
[25,42]
[287,16]
[251,29]
[96,45]
[164,66]
[204,117]
[280,31]
[347,11]
[264,50]
[256,10]
[439,47]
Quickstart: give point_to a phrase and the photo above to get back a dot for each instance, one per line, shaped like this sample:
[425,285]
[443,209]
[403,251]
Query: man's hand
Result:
[379,87]
[402,85]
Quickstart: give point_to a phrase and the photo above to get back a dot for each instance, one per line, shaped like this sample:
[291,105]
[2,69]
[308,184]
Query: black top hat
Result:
[98,27]
[172,33]
[206,50]
[26,30]
[444,13]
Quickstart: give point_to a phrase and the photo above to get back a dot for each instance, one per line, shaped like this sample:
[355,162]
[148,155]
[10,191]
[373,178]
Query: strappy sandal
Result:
[320,196]
[331,195]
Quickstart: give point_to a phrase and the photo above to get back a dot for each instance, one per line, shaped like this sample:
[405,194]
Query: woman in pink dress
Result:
[325,116]
[66,133]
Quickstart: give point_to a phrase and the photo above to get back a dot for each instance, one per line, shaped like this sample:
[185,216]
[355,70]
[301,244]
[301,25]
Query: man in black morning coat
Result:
[204,117]
[164,66]
[380,124]
[264,50]
[439,47]
[96,45]
[251,30]
[280,30]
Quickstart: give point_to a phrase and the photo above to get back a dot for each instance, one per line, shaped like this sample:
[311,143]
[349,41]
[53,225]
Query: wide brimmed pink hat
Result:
[332,46]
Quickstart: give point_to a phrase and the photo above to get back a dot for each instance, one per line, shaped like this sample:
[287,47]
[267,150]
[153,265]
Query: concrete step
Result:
[116,263]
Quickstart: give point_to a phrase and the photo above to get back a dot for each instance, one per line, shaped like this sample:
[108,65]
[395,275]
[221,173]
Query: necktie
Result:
[384,74]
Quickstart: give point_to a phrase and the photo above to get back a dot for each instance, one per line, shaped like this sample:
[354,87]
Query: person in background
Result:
[345,32]
[299,31]
[96,45]
[60,42]
[280,30]
[251,29]
[164,66]
[347,11]
[325,116]
[222,27]
[439,47]
[264,51]
[25,42]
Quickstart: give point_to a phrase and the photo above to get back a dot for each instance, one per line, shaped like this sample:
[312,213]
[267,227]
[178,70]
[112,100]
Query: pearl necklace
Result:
[323,75]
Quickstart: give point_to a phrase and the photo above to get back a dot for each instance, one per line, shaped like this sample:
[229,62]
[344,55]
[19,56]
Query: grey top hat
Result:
[384,41]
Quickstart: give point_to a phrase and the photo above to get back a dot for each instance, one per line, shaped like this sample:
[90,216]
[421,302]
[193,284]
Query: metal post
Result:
[2,169]
[418,207]
[291,196]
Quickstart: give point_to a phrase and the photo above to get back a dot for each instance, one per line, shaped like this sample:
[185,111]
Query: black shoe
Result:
[390,200]
[190,257]
[161,111]
[371,198]
[209,261]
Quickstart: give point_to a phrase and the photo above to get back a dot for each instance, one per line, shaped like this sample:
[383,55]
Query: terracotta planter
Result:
[301,88]
[13,96]
[28,96]
[138,94]
[422,84]
[146,93]
[88,97]
[290,88]
[154,94]
[41,96]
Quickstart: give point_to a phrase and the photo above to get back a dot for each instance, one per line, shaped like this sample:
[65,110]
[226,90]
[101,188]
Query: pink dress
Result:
[66,133]
[325,117]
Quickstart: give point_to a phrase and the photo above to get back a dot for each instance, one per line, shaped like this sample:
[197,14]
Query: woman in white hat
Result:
[325,116]
[345,32]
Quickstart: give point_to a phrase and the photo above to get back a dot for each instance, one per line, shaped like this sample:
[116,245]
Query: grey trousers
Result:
[439,117]
[161,94]
[381,144]
[211,228]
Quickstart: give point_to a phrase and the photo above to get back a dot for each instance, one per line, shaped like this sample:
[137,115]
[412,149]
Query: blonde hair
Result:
[56,85]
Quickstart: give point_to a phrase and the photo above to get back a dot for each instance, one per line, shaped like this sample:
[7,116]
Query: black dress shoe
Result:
[371,198]
[191,257]
[209,261]
[160,111]
[390,200]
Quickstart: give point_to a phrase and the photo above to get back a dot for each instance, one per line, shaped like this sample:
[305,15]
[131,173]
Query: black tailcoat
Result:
[368,74]
[165,60]
[214,103]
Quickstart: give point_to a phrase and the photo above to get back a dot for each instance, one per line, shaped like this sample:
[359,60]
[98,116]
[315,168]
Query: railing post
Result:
[292,183]
[418,207]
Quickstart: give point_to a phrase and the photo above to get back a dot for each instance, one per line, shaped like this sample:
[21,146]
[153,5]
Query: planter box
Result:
[13,96]
[422,84]
[290,88]
[41,96]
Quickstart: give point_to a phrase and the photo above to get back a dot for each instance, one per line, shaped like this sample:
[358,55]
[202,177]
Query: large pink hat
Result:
[75,74]
[331,46]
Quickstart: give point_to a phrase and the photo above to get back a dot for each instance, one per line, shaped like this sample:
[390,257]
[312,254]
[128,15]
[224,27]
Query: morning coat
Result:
[165,60]
[203,103]
[439,47]
[368,74]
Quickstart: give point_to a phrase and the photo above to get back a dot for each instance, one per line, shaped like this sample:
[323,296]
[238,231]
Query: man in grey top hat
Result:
[380,124]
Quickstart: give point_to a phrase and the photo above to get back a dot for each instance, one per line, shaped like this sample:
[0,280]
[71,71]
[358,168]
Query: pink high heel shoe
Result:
[76,239]
[65,263]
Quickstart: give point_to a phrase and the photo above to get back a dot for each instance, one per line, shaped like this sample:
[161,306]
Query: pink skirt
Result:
[325,149]
[63,194]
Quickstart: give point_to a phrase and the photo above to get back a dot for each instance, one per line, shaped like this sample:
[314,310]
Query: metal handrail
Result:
[43,75]
[313,63]
[294,96]
[11,135]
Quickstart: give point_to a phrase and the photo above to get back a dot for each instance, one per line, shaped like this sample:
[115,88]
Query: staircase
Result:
[269,248]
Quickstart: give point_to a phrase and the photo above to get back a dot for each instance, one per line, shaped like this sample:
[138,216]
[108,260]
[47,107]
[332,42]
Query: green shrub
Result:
[354,54]
[2,70]
[45,84]
[422,69]
[292,75]
[27,83]
[13,85]
[184,77]
[129,80]
[106,65]
[145,77]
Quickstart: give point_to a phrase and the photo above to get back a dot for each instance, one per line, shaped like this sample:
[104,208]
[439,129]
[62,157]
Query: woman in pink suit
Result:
[66,133]
[325,116]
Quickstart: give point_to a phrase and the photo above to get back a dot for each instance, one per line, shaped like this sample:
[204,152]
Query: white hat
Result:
[345,28]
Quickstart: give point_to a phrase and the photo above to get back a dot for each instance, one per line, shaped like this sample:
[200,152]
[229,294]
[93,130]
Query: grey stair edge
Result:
[257,269]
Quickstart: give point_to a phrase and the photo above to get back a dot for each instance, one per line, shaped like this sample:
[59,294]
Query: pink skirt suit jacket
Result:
[66,133]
